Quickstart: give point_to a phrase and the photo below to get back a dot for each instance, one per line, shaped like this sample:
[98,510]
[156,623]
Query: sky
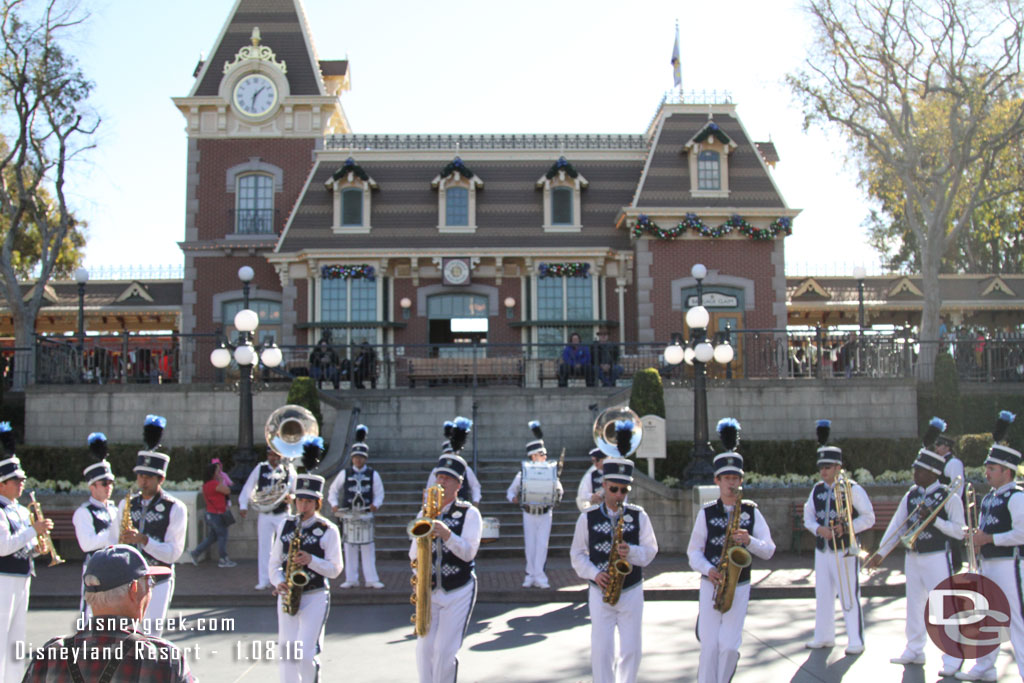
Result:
[463,67]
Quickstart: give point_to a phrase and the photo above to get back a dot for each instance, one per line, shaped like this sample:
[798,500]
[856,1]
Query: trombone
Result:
[971,517]
[842,495]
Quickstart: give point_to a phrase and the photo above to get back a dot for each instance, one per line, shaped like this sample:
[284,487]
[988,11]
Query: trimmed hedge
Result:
[50,462]
[977,415]
[302,392]
[648,394]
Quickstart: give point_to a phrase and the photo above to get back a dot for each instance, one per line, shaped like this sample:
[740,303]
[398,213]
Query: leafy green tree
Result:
[929,92]
[46,124]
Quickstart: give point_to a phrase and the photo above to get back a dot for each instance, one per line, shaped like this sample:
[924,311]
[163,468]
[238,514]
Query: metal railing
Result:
[357,143]
[254,221]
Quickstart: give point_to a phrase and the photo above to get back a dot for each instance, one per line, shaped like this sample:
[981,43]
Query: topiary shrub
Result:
[303,393]
[973,448]
[648,394]
[945,399]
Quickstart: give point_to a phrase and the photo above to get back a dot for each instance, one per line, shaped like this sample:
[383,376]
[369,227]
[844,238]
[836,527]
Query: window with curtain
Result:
[709,174]
[254,210]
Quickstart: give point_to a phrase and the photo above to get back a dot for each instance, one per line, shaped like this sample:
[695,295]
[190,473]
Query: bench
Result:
[884,510]
[630,366]
[502,370]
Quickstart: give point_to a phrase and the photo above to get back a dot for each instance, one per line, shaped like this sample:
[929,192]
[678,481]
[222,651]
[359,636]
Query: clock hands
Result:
[255,95]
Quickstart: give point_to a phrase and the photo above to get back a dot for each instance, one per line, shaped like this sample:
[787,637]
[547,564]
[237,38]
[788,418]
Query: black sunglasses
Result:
[616,489]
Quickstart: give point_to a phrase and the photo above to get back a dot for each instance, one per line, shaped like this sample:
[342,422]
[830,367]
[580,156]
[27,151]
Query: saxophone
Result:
[44,544]
[618,567]
[419,530]
[294,575]
[126,520]
[734,559]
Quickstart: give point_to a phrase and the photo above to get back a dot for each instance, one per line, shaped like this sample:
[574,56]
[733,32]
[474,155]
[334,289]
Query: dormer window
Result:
[352,187]
[456,187]
[708,153]
[562,186]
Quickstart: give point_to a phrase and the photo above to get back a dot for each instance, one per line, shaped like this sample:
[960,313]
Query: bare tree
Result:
[45,122]
[930,90]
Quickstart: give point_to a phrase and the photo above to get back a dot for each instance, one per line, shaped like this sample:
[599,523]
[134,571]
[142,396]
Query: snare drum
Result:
[358,527]
[491,530]
[540,484]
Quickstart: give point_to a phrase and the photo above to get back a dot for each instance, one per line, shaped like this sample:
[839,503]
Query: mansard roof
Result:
[284,29]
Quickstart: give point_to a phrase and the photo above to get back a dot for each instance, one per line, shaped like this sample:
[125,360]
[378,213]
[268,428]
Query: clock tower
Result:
[260,105]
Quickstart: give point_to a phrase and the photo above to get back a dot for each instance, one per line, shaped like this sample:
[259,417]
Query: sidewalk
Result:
[786,575]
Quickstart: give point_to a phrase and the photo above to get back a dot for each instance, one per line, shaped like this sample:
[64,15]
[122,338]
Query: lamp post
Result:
[698,352]
[81,277]
[859,273]
[406,304]
[510,307]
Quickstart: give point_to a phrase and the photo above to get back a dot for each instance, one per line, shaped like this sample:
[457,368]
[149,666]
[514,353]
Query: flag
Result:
[677,68]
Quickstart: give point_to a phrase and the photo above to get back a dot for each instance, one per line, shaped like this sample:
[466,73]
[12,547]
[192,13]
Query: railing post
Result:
[821,354]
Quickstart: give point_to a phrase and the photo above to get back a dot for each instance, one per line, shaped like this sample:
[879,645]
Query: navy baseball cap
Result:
[115,566]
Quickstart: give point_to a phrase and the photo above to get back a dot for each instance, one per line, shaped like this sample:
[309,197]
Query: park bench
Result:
[500,370]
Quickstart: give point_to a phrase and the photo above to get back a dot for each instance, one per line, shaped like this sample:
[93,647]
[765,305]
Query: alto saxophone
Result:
[44,544]
[734,559]
[294,575]
[419,530]
[618,567]
[126,520]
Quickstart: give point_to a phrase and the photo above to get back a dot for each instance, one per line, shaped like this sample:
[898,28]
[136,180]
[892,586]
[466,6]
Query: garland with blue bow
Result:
[572,269]
[338,272]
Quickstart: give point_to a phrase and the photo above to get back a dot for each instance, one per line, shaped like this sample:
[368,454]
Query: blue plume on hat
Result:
[729,433]
[624,436]
[7,438]
[153,430]
[935,427]
[534,426]
[361,432]
[98,445]
[1003,423]
[460,431]
[824,429]
[312,451]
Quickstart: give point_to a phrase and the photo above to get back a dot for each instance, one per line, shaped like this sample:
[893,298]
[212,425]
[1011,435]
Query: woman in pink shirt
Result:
[217,495]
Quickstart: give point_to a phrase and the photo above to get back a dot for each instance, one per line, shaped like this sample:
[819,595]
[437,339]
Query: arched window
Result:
[254,211]
[268,311]
[709,171]
[456,206]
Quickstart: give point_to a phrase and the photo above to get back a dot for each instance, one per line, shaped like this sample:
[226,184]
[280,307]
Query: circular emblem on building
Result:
[456,271]
[967,616]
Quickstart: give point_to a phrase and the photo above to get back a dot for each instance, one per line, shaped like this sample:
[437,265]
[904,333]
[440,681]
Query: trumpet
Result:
[44,544]
[971,516]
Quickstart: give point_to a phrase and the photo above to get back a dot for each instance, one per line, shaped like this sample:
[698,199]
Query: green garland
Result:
[350,165]
[572,269]
[692,222]
[338,272]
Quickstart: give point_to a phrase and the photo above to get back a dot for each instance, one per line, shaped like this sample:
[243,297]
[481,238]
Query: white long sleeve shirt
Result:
[586,490]
[861,503]
[329,566]
[952,527]
[88,539]
[334,494]
[761,544]
[1014,536]
[466,545]
[471,481]
[253,480]
[639,555]
[11,544]
[169,549]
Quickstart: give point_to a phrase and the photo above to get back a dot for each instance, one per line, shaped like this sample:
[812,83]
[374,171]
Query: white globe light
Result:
[246,274]
[220,358]
[244,355]
[81,275]
[860,272]
[699,272]
[724,353]
[704,352]
[688,355]
[246,320]
[696,318]
[673,354]
[271,357]
[510,302]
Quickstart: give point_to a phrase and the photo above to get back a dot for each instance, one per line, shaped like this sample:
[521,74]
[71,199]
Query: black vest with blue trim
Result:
[358,483]
[716,518]
[596,479]
[19,562]
[601,532]
[455,572]
[102,517]
[310,543]
[465,492]
[822,497]
[266,480]
[153,521]
[995,519]
[930,540]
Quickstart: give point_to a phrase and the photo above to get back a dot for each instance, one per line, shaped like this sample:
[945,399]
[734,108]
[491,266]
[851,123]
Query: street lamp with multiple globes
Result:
[248,357]
[81,277]
[698,352]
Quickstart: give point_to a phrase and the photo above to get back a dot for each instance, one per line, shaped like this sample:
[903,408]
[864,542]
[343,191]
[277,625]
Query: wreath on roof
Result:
[562,165]
[456,165]
[351,166]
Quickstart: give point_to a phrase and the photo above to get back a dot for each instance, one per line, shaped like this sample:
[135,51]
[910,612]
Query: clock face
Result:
[255,95]
[456,272]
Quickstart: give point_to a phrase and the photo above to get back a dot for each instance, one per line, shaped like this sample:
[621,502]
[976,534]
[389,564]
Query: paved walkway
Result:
[668,578]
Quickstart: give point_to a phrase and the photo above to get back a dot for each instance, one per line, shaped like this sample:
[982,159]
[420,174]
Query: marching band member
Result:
[96,521]
[929,561]
[953,468]
[263,477]
[592,551]
[721,633]
[836,572]
[361,489]
[453,576]
[300,637]
[1000,541]
[470,489]
[18,533]
[536,518]
[590,492]
[158,522]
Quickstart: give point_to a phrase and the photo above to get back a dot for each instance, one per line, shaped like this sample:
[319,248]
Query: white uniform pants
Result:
[720,634]
[627,615]
[1007,574]
[826,590]
[302,633]
[152,621]
[13,606]
[536,532]
[354,552]
[436,652]
[266,525]
[924,572]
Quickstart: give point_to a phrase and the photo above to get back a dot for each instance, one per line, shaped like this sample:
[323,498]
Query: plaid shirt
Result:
[143,658]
